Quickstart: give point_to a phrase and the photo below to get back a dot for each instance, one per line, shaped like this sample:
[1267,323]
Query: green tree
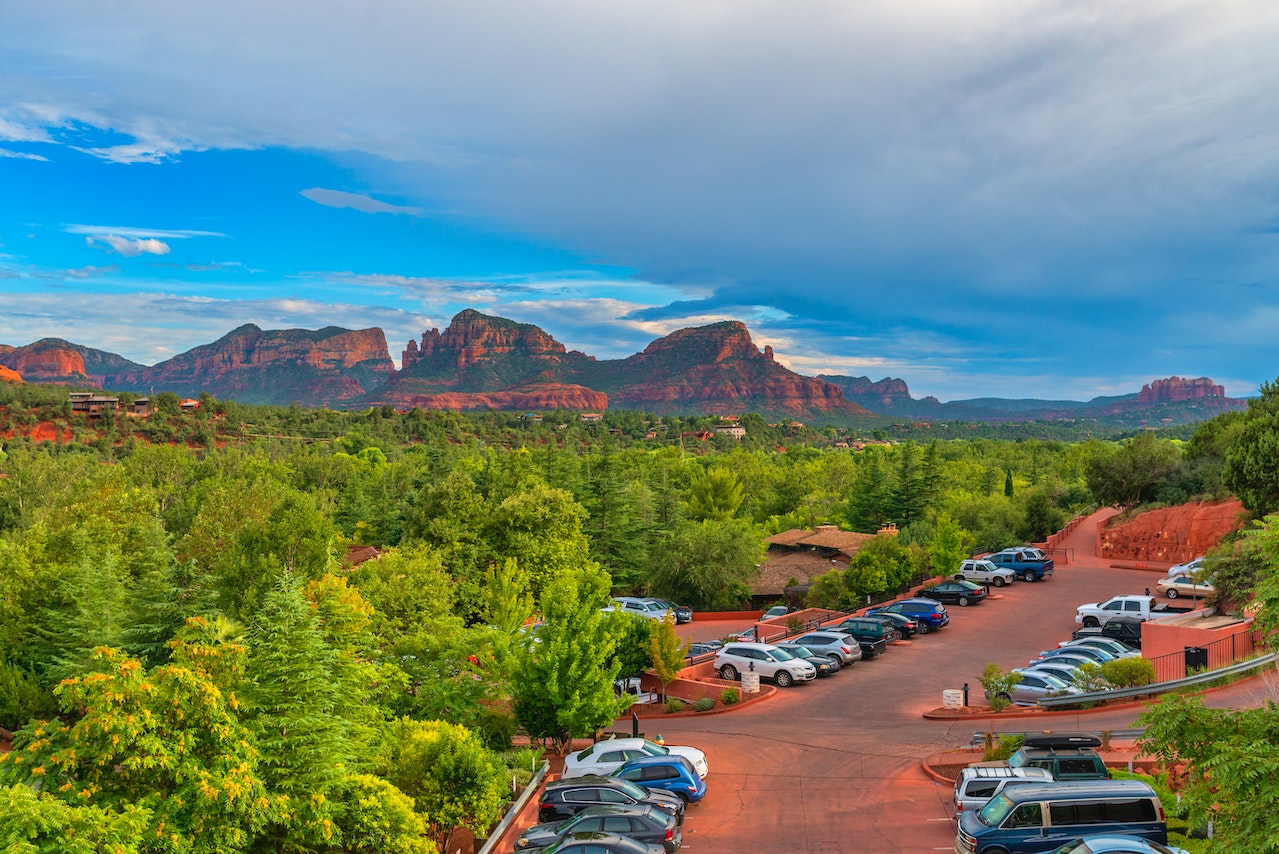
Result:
[1130,474]
[666,650]
[716,494]
[948,547]
[380,819]
[34,822]
[507,601]
[1039,517]
[454,780]
[708,564]
[563,676]
[1252,464]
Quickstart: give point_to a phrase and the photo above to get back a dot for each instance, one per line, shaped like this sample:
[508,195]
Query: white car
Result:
[1035,686]
[605,757]
[650,608]
[765,659]
[983,571]
[1191,568]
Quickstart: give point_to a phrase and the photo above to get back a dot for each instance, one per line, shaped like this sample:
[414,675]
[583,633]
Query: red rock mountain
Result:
[52,360]
[9,375]
[1176,388]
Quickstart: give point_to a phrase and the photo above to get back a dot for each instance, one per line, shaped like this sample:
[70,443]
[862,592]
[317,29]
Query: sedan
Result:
[605,757]
[640,822]
[1114,647]
[1065,656]
[1100,656]
[960,593]
[1035,686]
[1191,568]
[1184,585]
[683,613]
[1063,670]
[1116,845]
[602,843]
[826,666]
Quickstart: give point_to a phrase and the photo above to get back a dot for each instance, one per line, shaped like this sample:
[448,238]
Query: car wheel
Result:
[728,672]
[924,628]
[836,660]
[783,679]
[1092,622]
[1028,575]
[1005,697]
[998,582]
[683,797]
[1172,593]
[963,601]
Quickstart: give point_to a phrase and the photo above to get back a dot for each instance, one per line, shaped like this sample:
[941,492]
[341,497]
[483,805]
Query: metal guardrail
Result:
[1159,687]
[496,834]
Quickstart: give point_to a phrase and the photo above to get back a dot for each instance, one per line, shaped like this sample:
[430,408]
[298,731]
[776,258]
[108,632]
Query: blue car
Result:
[929,614]
[673,774]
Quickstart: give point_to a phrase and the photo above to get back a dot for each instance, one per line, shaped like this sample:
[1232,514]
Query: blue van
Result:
[1033,817]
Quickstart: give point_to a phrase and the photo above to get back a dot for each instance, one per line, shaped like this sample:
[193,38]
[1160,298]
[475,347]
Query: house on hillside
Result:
[92,405]
[800,555]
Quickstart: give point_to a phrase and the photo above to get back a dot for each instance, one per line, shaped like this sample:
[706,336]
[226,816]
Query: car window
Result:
[1111,606]
[1026,815]
[981,788]
[658,772]
[613,756]
[588,825]
[612,796]
[781,655]
[617,824]
[582,796]
[1076,766]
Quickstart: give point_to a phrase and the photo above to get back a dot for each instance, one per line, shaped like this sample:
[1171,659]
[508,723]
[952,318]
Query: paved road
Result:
[834,766]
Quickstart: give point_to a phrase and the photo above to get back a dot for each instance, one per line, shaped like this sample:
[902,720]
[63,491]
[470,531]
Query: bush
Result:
[1003,747]
[1129,672]
[794,625]
[729,696]
[704,704]
[673,705]
[1091,677]
[999,685]
[23,697]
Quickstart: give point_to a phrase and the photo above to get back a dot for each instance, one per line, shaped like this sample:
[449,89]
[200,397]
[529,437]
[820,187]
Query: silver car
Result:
[837,645]
[1035,686]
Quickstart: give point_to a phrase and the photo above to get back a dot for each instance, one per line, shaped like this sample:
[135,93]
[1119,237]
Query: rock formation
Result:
[1171,534]
[1176,388]
[9,375]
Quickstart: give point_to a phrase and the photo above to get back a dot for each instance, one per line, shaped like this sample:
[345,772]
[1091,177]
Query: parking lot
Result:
[834,765]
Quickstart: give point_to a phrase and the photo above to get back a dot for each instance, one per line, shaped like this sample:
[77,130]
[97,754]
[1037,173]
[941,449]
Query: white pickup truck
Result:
[983,571]
[1141,607]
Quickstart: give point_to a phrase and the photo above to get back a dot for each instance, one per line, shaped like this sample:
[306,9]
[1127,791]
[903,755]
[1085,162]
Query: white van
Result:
[977,785]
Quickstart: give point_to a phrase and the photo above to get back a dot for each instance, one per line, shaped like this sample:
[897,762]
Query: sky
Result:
[1012,198]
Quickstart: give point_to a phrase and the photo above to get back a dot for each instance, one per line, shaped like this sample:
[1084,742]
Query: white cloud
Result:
[22,155]
[138,233]
[364,204]
[130,247]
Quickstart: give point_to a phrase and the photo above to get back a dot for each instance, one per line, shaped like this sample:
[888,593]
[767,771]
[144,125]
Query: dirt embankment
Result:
[1170,534]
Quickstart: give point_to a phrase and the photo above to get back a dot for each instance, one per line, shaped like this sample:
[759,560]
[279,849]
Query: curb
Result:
[765,692]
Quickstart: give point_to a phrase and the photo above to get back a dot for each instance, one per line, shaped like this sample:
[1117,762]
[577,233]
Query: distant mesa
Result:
[1176,388]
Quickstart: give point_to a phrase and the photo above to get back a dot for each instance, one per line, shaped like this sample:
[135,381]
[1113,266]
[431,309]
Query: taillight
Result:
[546,806]
[845,650]
[670,834]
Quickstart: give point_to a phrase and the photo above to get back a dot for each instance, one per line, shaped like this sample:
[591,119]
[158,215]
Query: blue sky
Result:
[982,197]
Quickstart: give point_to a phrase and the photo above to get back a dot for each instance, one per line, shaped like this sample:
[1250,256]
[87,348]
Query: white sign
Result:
[750,683]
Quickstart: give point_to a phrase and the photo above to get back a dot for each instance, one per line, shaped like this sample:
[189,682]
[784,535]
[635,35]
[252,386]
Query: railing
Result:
[496,834]
[1159,687]
[1219,653]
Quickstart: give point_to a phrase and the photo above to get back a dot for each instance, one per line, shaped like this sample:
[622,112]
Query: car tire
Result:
[998,582]
[838,662]
[728,672]
[1091,622]
[683,797]
[924,628]
[1028,575]
[1172,593]
[963,601]
[784,679]
[1005,696]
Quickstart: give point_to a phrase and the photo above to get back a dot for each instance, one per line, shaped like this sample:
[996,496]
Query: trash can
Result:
[1196,658]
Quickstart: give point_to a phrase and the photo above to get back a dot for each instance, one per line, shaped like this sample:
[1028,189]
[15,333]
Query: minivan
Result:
[977,785]
[1033,818]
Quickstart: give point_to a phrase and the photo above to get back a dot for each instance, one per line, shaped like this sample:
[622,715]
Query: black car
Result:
[955,593]
[871,635]
[602,843]
[1126,630]
[566,798]
[905,626]
[642,823]
[825,666]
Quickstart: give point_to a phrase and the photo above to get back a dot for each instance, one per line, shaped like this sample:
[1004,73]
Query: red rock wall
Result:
[1171,534]
[9,376]
[52,364]
[1176,388]
[542,397]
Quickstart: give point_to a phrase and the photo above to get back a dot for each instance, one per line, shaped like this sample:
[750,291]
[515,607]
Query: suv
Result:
[766,660]
[832,644]
[871,635]
[975,786]
[929,614]
[566,798]
[651,608]
[1067,756]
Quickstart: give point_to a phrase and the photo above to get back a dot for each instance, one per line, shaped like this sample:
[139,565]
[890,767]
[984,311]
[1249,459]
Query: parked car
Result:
[702,648]
[930,614]
[837,645]
[1073,656]
[1119,649]
[1063,670]
[1117,845]
[683,613]
[871,635]
[672,774]
[1184,585]
[650,608]
[962,593]
[907,626]
[1030,564]
[1034,686]
[826,665]
[605,757]
[641,822]
[1193,567]
[982,571]
[602,843]
[566,798]
[1069,756]
[1126,630]
[766,660]
[775,612]
[1101,656]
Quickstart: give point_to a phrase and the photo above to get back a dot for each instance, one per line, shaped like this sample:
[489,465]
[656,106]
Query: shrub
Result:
[703,704]
[1090,677]
[1002,748]
[794,625]
[673,705]
[999,685]
[729,696]
[1129,672]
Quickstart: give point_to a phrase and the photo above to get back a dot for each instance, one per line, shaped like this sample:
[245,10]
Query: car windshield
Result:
[636,791]
[780,655]
[996,810]
[1082,847]
[654,606]
[654,749]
